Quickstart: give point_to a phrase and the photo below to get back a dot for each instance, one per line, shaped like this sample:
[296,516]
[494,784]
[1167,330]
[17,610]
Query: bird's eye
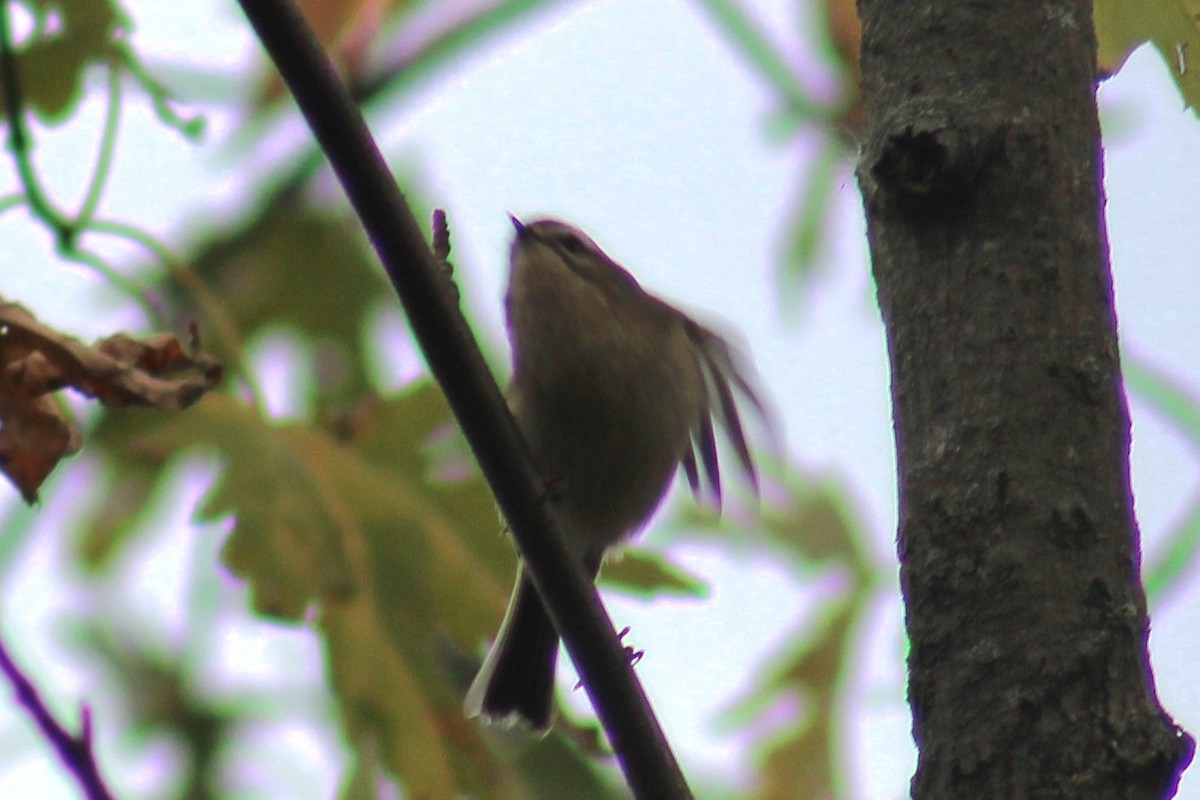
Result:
[573,244]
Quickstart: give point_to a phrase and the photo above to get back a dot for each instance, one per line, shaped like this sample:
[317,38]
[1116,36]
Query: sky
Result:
[657,146]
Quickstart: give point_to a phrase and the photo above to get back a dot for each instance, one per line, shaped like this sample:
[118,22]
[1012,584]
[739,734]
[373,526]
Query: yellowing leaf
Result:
[1121,27]
[1172,25]
[810,524]
[396,570]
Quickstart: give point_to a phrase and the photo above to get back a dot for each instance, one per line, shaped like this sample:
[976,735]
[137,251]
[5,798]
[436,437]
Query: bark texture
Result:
[982,180]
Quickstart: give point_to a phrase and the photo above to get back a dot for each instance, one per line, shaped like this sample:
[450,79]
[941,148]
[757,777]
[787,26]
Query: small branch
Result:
[108,147]
[66,230]
[456,362]
[161,98]
[419,56]
[218,322]
[441,236]
[75,751]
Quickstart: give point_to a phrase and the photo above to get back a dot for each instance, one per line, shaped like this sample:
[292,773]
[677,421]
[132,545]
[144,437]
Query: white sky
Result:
[655,144]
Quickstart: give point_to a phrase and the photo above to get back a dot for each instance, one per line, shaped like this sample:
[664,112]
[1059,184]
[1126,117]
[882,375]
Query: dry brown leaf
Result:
[36,431]
[33,442]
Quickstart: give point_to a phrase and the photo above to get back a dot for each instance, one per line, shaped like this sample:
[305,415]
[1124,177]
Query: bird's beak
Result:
[518,226]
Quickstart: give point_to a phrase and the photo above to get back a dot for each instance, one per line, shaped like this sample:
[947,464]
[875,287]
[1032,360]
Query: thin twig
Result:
[219,323]
[74,750]
[417,59]
[108,147]
[67,230]
[160,96]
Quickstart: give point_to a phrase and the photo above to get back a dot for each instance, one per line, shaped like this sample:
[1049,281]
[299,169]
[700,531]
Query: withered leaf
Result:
[36,432]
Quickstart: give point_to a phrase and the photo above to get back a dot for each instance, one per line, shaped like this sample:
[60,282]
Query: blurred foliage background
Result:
[348,513]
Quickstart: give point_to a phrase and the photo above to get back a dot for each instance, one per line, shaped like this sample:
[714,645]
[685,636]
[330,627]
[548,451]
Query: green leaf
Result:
[301,269]
[52,77]
[361,781]
[52,66]
[119,514]
[557,770]
[812,524]
[402,574]
[810,217]
[798,760]
[1172,25]
[646,574]
[792,712]
[1120,29]
[753,43]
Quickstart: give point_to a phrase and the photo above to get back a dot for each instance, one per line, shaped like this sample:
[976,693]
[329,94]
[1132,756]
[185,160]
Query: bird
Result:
[613,389]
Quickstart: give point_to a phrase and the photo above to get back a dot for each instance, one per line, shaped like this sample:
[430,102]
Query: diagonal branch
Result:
[431,305]
[75,750]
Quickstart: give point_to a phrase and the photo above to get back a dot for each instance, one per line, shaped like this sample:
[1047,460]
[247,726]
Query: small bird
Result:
[612,389]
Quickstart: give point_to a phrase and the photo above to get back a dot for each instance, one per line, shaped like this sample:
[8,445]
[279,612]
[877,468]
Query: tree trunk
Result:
[982,180]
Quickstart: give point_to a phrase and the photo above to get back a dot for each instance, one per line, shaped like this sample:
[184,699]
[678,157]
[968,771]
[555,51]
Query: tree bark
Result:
[982,181]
